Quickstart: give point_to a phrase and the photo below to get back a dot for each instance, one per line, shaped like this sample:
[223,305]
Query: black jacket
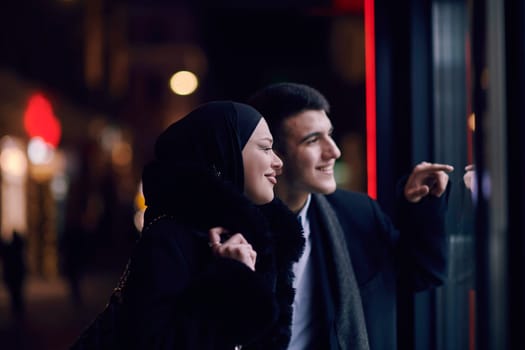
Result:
[179,296]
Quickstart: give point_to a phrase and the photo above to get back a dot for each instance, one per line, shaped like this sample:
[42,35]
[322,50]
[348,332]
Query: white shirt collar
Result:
[303,217]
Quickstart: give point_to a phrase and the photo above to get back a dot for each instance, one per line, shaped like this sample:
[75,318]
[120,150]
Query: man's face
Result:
[309,153]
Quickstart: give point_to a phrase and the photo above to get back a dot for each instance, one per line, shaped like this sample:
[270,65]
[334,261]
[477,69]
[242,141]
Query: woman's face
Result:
[260,165]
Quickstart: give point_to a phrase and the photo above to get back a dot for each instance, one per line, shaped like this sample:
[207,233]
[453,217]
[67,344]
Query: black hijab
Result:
[206,143]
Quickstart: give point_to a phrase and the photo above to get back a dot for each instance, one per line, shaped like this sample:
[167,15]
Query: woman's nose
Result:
[277,163]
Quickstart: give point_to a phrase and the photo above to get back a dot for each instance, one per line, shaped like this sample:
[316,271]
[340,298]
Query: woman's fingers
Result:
[237,239]
[240,252]
[214,235]
[236,247]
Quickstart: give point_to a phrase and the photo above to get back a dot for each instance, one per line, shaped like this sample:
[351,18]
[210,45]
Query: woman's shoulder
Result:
[159,223]
[168,228]
[169,237]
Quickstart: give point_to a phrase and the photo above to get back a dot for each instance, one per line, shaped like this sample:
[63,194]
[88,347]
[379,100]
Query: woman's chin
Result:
[261,200]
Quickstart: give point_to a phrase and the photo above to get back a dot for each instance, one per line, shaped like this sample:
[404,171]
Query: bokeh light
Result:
[39,151]
[13,161]
[184,83]
[471,121]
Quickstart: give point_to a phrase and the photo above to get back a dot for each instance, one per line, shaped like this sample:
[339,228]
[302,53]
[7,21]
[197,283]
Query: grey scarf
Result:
[350,319]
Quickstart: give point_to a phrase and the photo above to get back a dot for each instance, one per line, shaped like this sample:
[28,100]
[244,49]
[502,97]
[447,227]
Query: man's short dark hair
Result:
[277,102]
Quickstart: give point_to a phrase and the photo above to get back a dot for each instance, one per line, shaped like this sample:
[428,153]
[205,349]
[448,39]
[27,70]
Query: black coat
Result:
[180,296]
[381,256]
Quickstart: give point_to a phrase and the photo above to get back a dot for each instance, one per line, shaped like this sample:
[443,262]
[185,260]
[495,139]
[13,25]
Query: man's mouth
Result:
[329,169]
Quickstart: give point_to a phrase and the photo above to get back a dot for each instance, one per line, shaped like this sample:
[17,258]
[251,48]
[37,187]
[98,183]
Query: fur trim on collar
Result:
[289,243]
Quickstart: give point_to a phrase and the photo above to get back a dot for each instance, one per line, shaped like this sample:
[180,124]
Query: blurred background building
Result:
[87,85]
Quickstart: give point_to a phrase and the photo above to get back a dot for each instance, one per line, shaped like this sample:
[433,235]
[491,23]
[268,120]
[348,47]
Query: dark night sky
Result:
[42,40]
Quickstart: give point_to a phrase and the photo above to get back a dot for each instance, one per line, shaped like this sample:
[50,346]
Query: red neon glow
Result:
[339,8]
[39,120]
[370,67]
[348,5]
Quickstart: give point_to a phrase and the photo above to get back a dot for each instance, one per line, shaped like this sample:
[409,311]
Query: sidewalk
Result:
[52,321]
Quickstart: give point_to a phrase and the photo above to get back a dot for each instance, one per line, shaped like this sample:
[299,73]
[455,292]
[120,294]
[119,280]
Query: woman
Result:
[212,269]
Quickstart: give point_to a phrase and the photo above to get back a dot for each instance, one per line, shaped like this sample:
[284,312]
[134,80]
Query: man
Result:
[347,276]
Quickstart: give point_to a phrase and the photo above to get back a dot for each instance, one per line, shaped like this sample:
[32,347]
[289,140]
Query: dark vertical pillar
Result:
[449,305]
[394,128]
[515,64]
[422,331]
[481,207]
[421,80]
[385,80]
[393,96]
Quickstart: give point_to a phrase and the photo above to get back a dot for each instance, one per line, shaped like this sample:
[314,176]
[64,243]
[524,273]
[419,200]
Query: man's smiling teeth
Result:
[325,168]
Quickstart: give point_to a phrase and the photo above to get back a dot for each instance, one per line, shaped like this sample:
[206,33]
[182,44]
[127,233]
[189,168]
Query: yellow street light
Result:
[184,83]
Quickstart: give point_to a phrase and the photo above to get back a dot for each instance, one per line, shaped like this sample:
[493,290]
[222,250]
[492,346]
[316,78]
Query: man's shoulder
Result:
[357,213]
[349,203]
[348,198]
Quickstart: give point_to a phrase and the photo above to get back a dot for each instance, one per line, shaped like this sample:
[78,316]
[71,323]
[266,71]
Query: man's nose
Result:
[331,149]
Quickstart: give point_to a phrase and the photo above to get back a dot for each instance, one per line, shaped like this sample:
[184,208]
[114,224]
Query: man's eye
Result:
[312,140]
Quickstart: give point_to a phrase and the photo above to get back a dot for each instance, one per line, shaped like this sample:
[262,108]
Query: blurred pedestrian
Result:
[74,254]
[14,271]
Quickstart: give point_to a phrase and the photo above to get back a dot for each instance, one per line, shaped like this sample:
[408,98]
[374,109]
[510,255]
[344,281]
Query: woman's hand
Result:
[236,247]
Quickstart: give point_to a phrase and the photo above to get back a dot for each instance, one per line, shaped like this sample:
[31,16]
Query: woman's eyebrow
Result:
[269,139]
